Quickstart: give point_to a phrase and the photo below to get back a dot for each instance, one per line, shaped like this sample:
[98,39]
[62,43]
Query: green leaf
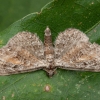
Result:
[12,10]
[65,84]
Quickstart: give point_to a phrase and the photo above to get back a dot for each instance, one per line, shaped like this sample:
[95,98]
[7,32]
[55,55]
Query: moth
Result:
[25,52]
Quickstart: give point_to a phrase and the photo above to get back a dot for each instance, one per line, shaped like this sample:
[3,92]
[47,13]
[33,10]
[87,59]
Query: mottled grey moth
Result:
[72,50]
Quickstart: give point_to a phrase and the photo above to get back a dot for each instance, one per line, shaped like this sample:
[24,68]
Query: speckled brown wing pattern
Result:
[23,53]
[74,52]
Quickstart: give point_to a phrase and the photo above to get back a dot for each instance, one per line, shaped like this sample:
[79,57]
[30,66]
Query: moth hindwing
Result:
[25,52]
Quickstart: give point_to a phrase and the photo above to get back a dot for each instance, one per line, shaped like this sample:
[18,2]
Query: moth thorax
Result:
[50,58]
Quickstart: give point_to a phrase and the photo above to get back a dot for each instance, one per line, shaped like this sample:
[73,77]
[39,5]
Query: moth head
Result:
[50,73]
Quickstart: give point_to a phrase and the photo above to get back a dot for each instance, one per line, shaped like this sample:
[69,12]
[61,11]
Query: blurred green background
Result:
[13,10]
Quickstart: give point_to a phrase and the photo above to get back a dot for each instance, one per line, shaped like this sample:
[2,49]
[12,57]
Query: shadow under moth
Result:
[25,52]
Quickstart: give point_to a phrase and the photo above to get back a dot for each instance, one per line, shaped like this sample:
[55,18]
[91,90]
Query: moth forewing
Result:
[72,50]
